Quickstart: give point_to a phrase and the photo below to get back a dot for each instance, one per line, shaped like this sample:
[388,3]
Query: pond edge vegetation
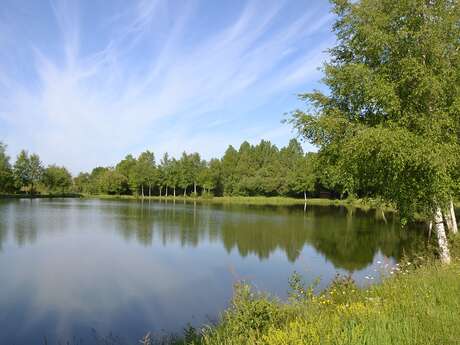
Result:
[416,302]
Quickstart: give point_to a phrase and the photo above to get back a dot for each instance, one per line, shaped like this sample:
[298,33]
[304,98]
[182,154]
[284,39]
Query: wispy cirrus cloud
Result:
[159,75]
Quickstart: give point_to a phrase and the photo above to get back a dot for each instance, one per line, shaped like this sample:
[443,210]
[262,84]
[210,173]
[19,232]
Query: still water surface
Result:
[70,266]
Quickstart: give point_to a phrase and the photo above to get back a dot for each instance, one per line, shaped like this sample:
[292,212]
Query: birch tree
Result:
[302,176]
[27,170]
[146,172]
[389,125]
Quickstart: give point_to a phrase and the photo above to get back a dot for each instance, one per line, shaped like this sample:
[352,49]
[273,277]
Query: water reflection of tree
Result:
[347,238]
[3,234]
[263,235]
[351,241]
[22,219]
[171,222]
[25,232]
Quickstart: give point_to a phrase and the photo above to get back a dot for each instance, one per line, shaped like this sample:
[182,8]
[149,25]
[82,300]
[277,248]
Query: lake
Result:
[72,266]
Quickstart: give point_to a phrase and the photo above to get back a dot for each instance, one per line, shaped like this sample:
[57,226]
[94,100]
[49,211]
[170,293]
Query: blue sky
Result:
[83,83]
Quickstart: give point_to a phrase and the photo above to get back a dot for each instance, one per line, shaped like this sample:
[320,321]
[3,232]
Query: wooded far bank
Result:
[252,170]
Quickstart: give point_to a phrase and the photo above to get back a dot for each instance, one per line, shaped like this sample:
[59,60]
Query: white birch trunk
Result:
[448,220]
[305,196]
[160,190]
[453,218]
[185,192]
[441,235]
[174,192]
[166,194]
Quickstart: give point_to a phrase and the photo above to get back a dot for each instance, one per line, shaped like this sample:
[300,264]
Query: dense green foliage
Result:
[253,170]
[28,175]
[261,169]
[389,126]
[6,172]
[57,179]
[27,171]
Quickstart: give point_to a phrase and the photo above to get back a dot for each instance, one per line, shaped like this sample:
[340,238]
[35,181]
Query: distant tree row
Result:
[261,169]
[28,173]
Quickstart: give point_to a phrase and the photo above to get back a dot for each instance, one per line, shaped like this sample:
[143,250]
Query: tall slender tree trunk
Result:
[448,220]
[174,189]
[166,191]
[430,229]
[441,235]
[452,217]
[160,190]
[142,191]
[185,192]
[194,188]
[150,190]
[305,196]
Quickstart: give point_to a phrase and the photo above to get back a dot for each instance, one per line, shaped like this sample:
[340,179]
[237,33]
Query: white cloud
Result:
[91,108]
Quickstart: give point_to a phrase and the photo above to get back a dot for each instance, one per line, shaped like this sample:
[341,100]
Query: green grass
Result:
[418,304]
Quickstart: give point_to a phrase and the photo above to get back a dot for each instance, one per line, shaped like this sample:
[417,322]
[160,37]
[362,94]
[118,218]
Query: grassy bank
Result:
[253,200]
[37,196]
[418,304]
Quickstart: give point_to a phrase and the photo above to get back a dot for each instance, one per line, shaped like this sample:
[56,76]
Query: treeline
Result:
[28,175]
[252,170]
[261,169]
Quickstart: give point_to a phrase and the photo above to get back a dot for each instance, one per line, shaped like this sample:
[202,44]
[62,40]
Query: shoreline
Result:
[40,196]
[253,200]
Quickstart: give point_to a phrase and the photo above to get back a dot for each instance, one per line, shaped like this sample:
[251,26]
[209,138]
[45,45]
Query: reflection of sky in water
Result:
[71,265]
